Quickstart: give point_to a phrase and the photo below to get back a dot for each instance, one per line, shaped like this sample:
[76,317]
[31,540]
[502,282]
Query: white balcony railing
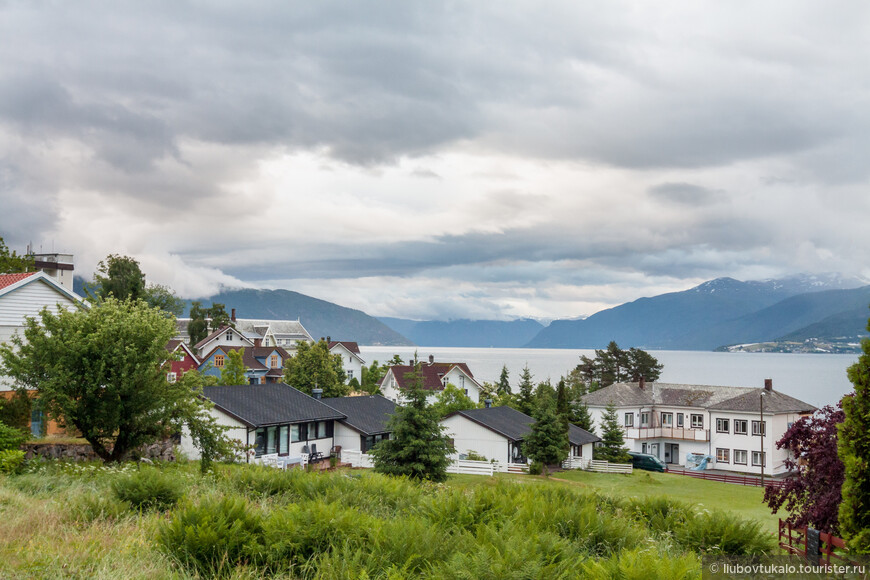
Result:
[667,433]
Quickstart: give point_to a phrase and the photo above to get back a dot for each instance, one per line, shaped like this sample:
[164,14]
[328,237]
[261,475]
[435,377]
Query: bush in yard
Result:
[214,536]
[149,489]
[11,461]
[10,437]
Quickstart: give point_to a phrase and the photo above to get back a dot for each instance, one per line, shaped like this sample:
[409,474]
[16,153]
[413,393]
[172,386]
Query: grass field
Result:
[66,521]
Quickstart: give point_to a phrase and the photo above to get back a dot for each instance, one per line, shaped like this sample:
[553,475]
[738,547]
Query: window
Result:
[350,375]
[219,361]
[170,377]
[697,421]
[230,335]
[263,380]
[273,361]
[369,442]
[629,419]
[260,442]
[320,430]
[722,426]
[462,383]
[681,421]
[466,392]
[283,439]
[758,428]
[759,458]
[644,419]
[298,432]
[740,456]
[271,440]
[667,419]
[723,455]
[740,426]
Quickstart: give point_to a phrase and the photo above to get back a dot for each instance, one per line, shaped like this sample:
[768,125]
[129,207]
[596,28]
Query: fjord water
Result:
[818,379]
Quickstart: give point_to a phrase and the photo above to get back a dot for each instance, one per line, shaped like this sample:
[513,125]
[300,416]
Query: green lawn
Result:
[742,500]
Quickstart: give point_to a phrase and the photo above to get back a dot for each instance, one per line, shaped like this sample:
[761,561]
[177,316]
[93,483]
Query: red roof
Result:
[10,279]
[433,374]
[351,346]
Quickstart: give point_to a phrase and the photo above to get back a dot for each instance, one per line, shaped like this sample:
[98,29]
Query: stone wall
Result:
[161,451]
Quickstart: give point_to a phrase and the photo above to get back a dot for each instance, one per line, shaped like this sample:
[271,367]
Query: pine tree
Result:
[417,447]
[197,328]
[525,400]
[580,415]
[504,385]
[612,443]
[548,442]
[854,451]
[563,403]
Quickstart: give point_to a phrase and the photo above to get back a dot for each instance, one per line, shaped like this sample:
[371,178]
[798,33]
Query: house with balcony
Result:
[434,376]
[737,426]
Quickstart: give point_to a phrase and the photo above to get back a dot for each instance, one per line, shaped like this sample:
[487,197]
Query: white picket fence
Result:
[577,462]
[470,467]
[607,467]
[357,458]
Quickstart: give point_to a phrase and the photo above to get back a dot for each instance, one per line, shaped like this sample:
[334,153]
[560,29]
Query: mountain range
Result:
[714,314]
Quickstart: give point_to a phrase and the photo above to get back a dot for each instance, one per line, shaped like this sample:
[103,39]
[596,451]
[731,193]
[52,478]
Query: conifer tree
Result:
[504,385]
[612,443]
[417,447]
[525,399]
[854,451]
[548,442]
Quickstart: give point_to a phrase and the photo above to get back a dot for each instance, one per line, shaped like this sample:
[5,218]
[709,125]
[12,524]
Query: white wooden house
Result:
[434,376]
[365,421]
[351,358]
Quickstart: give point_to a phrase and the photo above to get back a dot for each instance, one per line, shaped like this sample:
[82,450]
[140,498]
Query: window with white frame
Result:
[740,456]
[681,420]
[230,335]
[740,426]
[170,377]
[759,458]
[723,425]
[644,419]
[350,375]
[697,421]
[758,428]
[723,455]
[667,419]
[629,420]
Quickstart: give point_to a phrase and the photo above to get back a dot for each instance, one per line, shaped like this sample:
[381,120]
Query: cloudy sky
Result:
[438,160]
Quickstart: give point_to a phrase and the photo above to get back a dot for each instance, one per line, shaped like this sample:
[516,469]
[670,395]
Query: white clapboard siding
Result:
[29,300]
[607,467]
[471,467]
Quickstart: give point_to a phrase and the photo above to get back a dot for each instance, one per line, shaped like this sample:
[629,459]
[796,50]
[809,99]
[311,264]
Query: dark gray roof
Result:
[700,396]
[774,402]
[515,425]
[269,404]
[368,414]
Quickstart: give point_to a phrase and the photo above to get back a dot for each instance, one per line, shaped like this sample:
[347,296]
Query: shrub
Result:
[11,461]
[722,533]
[536,468]
[149,489]
[214,536]
[11,438]
[473,455]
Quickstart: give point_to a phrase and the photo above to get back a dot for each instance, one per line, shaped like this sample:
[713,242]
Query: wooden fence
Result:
[356,458]
[734,479]
[575,462]
[471,467]
[607,467]
[818,548]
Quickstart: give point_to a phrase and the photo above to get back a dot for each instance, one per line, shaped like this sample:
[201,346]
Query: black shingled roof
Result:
[515,425]
[269,404]
[368,414]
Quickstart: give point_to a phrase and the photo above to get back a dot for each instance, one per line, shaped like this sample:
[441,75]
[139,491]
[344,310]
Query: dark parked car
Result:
[647,461]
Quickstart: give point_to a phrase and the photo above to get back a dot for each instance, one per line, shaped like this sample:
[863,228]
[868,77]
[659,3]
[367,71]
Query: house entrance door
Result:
[672,453]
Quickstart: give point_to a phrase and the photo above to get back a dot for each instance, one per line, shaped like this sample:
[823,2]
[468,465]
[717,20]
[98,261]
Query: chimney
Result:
[431,359]
[768,384]
[233,315]
[641,383]
[317,393]
[258,342]
[487,403]
[328,339]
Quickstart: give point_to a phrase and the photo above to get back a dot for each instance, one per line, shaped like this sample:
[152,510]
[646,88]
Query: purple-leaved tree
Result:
[812,496]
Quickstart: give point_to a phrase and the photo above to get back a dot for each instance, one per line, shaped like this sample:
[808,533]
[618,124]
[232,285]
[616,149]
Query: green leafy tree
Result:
[207,435]
[548,441]
[612,443]
[99,370]
[13,263]
[234,370]
[417,447]
[164,298]
[525,397]
[452,399]
[504,384]
[854,451]
[118,276]
[219,317]
[371,378]
[615,365]
[314,366]
[197,328]
[16,410]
